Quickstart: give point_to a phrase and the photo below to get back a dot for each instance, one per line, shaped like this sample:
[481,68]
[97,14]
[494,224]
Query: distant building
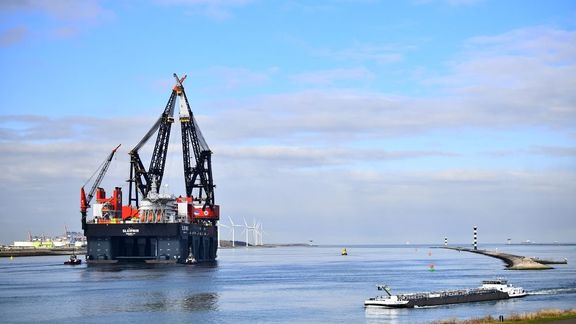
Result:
[70,239]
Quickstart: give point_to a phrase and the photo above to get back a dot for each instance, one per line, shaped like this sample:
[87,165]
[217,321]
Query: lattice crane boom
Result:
[140,178]
[197,175]
[86,200]
[197,156]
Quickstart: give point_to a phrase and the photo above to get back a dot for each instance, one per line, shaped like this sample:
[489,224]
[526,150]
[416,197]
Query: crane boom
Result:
[85,200]
[198,175]
[140,179]
[196,154]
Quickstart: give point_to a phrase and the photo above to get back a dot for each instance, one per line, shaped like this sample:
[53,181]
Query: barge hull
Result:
[458,299]
[150,242]
[446,299]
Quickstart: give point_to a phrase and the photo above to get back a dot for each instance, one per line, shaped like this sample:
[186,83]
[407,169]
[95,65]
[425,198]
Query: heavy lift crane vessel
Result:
[144,229]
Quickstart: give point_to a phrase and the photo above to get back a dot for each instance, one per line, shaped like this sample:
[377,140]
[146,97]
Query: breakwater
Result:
[513,262]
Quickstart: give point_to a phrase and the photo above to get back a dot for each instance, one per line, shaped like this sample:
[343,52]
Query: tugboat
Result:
[490,290]
[190,259]
[73,260]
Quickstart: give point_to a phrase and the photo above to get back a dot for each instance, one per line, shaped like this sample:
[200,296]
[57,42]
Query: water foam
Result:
[553,291]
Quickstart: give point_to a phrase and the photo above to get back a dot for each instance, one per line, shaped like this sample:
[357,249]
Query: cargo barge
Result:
[490,290]
[159,227]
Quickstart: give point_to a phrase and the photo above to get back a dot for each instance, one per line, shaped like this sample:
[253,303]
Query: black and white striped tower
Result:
[445,241]
[475,237]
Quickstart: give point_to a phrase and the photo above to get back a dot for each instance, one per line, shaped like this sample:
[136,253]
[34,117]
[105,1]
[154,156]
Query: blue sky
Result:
[349,116]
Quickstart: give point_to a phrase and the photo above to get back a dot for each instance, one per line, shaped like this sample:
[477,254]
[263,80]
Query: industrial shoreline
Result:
[30,251]
[11,251]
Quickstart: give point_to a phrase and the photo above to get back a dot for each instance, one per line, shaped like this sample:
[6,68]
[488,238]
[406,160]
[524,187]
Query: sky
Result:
[335,121]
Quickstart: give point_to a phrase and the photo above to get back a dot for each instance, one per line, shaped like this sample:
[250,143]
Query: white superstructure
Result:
[504,286]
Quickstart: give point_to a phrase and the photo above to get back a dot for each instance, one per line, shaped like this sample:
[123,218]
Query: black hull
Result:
[456,299]
[150,242]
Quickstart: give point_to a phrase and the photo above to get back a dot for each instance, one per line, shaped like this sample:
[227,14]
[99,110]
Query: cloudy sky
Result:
[336,121]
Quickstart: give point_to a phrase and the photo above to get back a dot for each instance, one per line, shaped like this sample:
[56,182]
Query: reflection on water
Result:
[388,315]
[119,267]
[200,302]
[143,288]
[161,302]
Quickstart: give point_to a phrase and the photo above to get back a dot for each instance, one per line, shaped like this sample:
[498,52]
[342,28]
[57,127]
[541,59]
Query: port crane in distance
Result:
[86,200]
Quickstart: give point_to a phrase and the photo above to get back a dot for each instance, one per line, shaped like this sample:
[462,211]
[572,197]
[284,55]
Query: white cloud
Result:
[12,36]
[449,2]
[381,54]
[215,9]
[233,78]
[60,18]
[326,77]
[524,77]
[294,157]
[70,10]
[548,151]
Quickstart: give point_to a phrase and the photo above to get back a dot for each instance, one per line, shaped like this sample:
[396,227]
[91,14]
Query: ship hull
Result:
[444,299]
[150,242]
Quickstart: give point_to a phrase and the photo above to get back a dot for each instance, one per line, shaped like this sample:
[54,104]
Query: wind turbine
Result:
[224,225]
[260,233]
[232,225]
[256,231]
[248,228]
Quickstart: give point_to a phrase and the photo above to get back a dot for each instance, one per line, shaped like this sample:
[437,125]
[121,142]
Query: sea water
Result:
[276,285]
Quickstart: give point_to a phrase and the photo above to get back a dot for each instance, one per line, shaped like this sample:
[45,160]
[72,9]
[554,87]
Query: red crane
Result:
[85,200]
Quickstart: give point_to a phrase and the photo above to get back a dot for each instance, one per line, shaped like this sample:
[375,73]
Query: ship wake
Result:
[554,291]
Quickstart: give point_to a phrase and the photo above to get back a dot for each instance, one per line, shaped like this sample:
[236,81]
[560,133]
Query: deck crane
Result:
[140,179]
[195,151]
[85,200]
[198,175]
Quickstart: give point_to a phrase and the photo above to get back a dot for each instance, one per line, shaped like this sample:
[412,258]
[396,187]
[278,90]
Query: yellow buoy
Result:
[344,252]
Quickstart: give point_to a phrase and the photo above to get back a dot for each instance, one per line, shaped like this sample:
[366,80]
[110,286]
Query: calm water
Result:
[274,285]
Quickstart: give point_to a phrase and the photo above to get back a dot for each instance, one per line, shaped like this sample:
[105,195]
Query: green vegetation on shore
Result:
[541,316]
